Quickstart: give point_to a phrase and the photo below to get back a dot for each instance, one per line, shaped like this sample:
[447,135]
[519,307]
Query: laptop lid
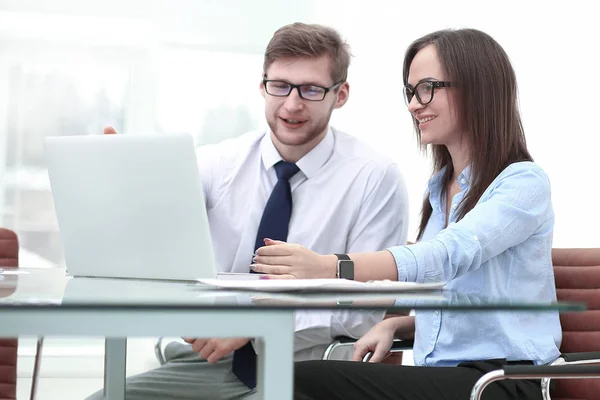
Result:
[130,206]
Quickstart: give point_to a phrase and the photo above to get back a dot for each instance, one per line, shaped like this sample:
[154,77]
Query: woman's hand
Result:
[281,260]
[378,341]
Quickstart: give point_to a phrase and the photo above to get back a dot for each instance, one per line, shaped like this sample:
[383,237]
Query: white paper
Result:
[319,285]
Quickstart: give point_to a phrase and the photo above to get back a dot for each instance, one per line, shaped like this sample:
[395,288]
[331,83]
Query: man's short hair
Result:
[312,41]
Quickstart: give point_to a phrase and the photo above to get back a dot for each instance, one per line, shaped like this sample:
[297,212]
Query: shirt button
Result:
[463,181]
[454,206]
[437,313]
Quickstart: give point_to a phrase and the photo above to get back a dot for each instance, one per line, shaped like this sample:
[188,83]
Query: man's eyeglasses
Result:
[307,92]
[423,90]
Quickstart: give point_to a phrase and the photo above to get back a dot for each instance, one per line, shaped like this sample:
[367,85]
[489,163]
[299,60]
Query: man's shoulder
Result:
[232,147]
[350,147]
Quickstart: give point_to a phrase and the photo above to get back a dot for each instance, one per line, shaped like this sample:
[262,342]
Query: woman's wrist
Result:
[330,266]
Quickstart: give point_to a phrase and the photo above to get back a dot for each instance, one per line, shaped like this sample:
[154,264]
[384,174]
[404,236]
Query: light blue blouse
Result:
[501,248]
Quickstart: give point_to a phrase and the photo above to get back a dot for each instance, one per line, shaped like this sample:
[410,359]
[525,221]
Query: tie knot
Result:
[285,170]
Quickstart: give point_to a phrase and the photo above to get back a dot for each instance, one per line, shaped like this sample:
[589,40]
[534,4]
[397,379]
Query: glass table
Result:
[42,302]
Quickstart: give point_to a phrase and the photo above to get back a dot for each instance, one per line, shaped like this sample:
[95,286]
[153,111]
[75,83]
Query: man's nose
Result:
[294,102]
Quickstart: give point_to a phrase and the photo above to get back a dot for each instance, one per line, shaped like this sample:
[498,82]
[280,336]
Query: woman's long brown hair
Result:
[485,96]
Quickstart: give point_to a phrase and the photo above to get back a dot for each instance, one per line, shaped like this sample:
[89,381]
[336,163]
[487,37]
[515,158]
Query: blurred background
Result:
[70,67]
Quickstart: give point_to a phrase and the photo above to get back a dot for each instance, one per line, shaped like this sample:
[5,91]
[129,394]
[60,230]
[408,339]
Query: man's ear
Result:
[342,94]
[261,87]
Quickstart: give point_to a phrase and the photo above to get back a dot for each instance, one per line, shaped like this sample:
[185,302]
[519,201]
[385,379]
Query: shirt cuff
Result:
[406,263]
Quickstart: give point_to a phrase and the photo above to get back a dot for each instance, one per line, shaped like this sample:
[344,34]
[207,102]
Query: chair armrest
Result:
[575,371]
[558,371]
[402,345]
[339,341]
[345,341]
[398,345]
[586,356]
[158,352]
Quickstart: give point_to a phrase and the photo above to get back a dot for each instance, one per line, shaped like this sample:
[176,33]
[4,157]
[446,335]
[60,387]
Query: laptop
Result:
[131,206]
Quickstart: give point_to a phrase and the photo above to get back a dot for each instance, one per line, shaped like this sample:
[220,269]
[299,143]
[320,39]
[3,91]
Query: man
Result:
[346,198]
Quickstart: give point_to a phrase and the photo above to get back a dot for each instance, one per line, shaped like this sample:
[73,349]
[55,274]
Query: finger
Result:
[271,242]
[273,260]
[199,344]
[271,269]
[188,340]
[380,353]
[284,249]
[109,130]
[218,353]
[208,348]
[285,276]
[359,352]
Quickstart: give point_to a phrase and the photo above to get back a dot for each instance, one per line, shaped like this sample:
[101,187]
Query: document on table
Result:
[320,285]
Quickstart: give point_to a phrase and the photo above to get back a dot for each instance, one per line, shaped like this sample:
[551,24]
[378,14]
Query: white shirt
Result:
[346,198]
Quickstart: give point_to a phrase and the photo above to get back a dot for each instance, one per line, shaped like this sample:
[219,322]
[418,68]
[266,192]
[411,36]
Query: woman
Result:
[486,229]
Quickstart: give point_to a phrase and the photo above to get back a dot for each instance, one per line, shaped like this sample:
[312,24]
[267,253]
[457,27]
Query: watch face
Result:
[346,269]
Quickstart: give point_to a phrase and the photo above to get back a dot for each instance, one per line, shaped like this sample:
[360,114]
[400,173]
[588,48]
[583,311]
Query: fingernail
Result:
[253,267]
[253,259]
[264,277]
[265,239]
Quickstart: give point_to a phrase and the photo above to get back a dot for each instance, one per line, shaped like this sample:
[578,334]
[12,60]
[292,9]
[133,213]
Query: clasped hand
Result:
[216,348]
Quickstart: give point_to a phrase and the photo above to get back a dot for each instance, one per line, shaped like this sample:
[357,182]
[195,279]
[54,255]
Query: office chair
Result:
[9,258]
[577,275]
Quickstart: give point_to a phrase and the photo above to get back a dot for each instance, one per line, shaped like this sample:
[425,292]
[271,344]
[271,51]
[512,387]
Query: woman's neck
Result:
[460,160]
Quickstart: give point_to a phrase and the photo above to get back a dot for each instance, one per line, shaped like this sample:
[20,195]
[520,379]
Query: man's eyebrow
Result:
[304,83]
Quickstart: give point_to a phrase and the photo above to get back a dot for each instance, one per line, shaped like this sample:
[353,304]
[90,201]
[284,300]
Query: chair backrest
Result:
[9,248]
[9,257]
[577,274]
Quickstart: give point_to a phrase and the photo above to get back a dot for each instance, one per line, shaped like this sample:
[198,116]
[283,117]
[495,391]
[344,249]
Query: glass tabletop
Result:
[35,288]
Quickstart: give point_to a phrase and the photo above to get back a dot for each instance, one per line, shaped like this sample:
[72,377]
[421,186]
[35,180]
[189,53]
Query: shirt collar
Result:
[309,164]
[435,183]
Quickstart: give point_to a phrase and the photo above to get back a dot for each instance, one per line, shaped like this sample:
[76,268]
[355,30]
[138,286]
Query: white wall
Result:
[553,47]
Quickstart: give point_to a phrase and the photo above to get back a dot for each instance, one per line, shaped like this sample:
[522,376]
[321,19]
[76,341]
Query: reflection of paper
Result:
[319,285]
[12,272]
[355,299]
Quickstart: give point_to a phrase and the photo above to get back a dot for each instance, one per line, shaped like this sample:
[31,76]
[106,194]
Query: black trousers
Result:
[345,380]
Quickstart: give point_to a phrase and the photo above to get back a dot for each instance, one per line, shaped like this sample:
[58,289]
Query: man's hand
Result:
[214,349]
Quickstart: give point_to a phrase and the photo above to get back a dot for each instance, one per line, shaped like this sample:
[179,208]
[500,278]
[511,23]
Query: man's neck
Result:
[294,153]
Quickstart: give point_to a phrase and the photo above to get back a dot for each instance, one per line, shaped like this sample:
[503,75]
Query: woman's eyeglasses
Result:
[423,90]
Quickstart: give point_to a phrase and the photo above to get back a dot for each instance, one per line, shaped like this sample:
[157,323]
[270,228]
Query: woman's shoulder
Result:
[525,170]
[524,180]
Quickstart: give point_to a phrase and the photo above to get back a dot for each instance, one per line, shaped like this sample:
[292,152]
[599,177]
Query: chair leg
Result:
[36,368]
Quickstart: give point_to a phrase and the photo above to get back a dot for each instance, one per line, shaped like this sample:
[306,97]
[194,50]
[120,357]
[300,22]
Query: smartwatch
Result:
[345,267]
